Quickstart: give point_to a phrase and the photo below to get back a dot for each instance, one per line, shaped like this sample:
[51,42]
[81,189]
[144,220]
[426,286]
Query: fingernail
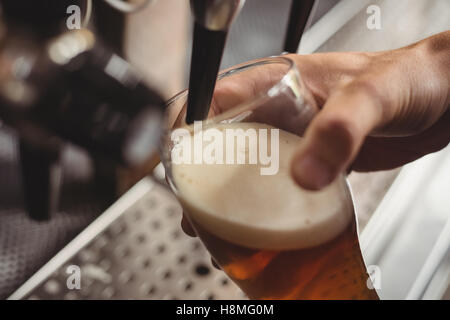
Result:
[312,173]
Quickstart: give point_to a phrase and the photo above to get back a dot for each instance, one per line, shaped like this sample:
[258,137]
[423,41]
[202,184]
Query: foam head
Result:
[239,204]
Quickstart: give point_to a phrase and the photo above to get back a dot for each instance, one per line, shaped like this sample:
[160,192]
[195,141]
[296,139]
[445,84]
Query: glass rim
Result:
[243,106]
[244,66]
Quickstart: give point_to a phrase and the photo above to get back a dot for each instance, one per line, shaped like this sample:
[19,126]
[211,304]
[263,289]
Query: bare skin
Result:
[378,110]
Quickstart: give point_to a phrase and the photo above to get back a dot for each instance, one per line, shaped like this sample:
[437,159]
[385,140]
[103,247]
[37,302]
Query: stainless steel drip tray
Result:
[134,250]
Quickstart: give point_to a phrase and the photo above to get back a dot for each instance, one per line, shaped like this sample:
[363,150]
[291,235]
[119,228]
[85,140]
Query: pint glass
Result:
[231,174]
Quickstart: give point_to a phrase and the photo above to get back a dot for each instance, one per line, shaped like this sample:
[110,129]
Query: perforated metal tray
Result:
[135,250]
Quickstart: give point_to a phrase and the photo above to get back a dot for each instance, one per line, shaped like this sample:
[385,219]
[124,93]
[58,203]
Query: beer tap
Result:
[72,89]
[299,15]
[212,22]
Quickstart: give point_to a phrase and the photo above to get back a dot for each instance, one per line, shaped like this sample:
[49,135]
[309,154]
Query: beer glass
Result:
[274,239]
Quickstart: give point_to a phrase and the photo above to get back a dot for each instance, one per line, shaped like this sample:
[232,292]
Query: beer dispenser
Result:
[213,19]
[299,16]
[58,85]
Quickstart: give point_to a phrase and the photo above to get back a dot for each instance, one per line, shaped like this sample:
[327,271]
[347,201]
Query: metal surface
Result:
[135,250]
[216,15]
[26,245]
[126,7]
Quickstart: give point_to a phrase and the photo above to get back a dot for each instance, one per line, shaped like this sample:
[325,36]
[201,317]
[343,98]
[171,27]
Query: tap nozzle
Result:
[216,15]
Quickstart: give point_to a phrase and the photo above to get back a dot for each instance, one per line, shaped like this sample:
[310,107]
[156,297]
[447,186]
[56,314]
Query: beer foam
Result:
[238,204]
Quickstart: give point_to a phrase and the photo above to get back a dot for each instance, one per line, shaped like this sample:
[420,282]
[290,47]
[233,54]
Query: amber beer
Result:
[334,270]
[274,239]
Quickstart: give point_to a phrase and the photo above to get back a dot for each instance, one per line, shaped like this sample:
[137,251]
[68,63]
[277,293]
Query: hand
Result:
[378,110]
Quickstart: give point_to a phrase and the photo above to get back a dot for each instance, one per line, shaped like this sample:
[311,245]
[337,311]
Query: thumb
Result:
[335,135]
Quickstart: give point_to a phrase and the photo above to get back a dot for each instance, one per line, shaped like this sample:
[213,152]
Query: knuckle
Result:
[375,93]
[366,87]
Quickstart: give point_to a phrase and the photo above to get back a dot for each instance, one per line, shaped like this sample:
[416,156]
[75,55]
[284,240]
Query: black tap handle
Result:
[207,53]
[299,15]
[89,96]
[111,110]
[213,19]
[41,178]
